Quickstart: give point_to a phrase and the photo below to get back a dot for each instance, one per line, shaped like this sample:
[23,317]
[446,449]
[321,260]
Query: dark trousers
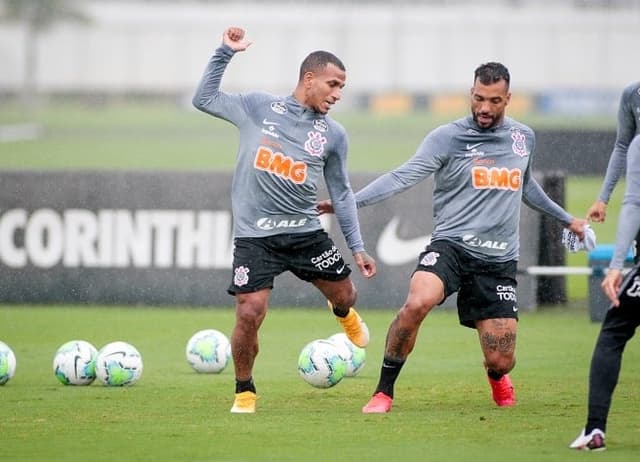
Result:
[618,327]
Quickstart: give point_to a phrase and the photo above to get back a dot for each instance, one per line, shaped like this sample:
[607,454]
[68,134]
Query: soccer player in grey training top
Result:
[627,128]
[482,169]
[622,318]
[287,144]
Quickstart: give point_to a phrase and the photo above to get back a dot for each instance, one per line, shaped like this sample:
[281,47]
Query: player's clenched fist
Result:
[234,38]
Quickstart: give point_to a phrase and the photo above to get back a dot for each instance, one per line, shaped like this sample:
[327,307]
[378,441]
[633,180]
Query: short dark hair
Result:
[318,60]
[492,72]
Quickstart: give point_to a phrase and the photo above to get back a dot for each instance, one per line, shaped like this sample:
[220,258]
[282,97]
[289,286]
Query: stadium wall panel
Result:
[164,238]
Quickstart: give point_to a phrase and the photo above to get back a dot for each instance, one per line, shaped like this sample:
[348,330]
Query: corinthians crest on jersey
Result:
[519,145]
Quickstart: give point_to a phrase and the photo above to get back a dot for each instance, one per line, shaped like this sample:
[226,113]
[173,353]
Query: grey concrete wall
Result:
[414,47]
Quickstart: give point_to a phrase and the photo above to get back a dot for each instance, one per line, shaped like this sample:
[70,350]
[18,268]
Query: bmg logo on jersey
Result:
[506,293]
[278,164]
[496,178]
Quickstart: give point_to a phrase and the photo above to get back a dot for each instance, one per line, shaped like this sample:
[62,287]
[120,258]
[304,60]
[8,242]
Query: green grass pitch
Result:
[442,412]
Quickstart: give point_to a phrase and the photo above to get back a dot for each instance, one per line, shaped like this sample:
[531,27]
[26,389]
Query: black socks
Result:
[338,312]
[388,374]
[245,385]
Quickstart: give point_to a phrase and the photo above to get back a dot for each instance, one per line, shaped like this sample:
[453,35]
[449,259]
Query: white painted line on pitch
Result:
[20,132]
[558,270]
[565,270]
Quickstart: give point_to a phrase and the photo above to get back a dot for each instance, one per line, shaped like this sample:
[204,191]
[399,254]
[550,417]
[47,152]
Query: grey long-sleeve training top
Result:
[629,220]
[481,177]
[284,150]
[627,128]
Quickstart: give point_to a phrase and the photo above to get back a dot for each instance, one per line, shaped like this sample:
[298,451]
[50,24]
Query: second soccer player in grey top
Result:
[482,170]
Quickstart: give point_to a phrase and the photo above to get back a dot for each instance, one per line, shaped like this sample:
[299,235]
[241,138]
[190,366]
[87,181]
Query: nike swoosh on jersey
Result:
[268,122]
[471,146]
[395,251]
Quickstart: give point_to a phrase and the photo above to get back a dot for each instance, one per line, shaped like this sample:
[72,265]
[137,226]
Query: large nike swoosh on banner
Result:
[395,251]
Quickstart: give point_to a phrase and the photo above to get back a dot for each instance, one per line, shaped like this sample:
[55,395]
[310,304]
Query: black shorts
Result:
[485,290]
[310,256]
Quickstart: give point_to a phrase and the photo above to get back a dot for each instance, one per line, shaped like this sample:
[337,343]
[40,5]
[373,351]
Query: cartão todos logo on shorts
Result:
[327,258]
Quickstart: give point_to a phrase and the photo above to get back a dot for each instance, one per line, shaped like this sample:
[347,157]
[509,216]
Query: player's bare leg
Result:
[341,297]
[251,310]
[498,342]
[426,290]
[342,294]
